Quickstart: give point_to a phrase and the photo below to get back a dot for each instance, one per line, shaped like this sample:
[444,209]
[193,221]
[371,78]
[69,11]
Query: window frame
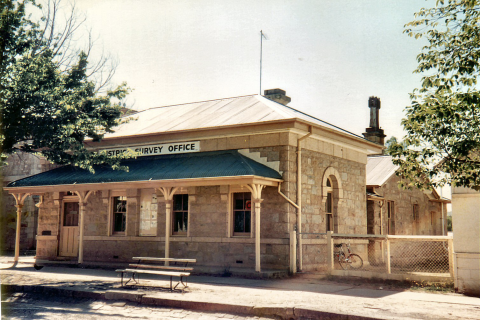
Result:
[391,217]
[65,202]
[234,210]
[113,212]
[148,196]
[416,212]
[185,212]
[329,208]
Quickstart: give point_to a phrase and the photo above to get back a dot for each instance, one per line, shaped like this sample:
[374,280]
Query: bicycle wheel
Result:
[354,261]
[343,262]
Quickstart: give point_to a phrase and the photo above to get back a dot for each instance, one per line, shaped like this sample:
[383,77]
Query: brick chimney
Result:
[374,133]
[277,95]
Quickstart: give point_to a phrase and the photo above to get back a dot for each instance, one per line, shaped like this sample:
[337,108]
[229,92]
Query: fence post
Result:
[389,270]
[293,251]
[330,260]
[450,258]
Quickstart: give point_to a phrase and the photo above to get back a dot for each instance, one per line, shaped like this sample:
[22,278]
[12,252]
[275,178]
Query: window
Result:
[119,214]
[70,214]
[148,212]
[415,212]
[180,214]
[242,206]
[329,206]
[329,212]
[391,217]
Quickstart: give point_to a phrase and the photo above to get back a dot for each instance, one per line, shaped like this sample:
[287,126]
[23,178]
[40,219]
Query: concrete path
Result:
[292,298]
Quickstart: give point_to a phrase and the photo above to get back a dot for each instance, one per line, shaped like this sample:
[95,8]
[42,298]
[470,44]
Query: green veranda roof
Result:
[178,166]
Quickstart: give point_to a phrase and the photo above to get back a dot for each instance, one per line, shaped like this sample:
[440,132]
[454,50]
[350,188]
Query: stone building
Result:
[390,209]
[17,166]
[224,181]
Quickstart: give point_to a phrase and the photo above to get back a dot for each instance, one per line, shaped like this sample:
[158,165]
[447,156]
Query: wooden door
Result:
[69,230]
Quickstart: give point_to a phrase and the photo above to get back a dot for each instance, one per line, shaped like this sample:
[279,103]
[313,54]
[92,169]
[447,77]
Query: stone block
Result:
[241,142]
[264,140]
[328,148]
[209,145]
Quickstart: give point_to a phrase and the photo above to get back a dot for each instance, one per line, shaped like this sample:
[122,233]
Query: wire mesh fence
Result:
[419,256]
[427,255]
[369,250]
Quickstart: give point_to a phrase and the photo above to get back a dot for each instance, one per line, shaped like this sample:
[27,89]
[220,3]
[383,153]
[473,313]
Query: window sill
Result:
[241,235]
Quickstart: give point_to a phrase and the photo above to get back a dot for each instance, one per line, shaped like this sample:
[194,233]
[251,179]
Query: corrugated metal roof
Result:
[178,166]
[214,113]
[379,169]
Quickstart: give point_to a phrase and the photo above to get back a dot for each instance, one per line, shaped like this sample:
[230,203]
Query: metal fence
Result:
[377,255]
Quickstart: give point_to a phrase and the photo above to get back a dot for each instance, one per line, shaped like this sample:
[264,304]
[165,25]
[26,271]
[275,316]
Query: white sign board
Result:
[158,149]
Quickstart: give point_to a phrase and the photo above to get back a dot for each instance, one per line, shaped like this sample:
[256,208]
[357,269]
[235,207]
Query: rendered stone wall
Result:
[118,249]
[96,216]
[208,212]
[350,208]
[466,244]
[207,239]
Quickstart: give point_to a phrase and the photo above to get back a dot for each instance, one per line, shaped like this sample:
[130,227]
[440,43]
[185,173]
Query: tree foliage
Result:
[391,144]
[442,123]
[51,99]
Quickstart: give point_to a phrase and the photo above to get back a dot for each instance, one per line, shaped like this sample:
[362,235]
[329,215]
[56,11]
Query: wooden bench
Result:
[142,266]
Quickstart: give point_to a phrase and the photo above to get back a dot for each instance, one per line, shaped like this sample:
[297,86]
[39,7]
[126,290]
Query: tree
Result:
[391,143]
[443,121]
[51,99]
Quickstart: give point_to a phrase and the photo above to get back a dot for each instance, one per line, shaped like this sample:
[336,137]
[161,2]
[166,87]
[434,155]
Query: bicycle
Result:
[347,260]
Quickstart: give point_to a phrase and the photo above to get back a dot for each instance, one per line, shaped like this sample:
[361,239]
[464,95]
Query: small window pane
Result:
[178,222]
[239,204]
[329,203]
[177,203]
[70,214]
[242,213]
[247,221]
[185,221]
[180,213]
[329,222]
[185,202]
[239,221]
[119,214]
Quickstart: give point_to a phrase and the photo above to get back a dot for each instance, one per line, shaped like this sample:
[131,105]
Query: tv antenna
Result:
[262,36]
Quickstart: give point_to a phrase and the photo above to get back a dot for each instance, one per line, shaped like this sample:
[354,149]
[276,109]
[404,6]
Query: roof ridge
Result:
[187,103]
[243,160]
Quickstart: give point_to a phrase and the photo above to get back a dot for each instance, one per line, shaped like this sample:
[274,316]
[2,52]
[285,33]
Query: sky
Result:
[329,56]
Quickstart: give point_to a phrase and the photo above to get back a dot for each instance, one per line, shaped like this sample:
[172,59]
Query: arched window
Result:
[329,206]
[332,195]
